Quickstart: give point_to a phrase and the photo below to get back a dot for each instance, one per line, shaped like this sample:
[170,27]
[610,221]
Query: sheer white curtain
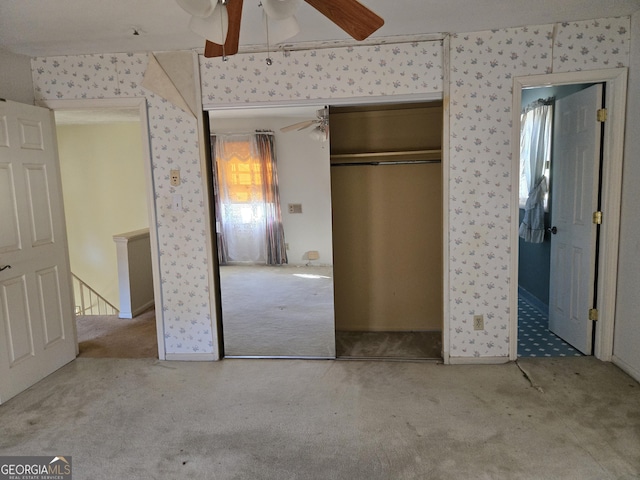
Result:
[535,150]
[247,201]
[242,221]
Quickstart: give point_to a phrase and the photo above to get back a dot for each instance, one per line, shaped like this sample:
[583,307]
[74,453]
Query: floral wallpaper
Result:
[360,71]
[482,66]
[174,145]
[593,44]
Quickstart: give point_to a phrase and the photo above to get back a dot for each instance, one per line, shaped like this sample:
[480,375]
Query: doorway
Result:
[603,291]
[105,171]
[538,274]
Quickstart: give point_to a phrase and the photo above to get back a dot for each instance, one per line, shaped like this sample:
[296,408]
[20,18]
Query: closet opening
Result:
[386,196]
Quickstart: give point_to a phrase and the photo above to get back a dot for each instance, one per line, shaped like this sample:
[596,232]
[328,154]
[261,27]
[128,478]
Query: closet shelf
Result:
[383,157]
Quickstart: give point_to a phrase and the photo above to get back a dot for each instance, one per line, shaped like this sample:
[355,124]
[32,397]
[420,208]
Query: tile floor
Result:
[534,337]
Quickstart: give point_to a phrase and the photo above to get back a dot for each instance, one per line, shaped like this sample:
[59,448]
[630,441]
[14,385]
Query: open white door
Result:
[37,325]
[574,198]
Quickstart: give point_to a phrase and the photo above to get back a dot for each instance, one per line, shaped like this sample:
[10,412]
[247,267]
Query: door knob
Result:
[553,230]
[4,267]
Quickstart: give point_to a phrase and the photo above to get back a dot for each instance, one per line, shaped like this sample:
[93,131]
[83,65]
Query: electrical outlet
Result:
[478,322]
[174,177]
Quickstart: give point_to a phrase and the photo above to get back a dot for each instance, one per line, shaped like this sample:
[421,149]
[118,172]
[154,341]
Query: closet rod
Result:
[375,164]
[265,132]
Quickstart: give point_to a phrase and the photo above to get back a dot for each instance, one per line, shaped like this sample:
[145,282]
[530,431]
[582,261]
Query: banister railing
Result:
[90,302]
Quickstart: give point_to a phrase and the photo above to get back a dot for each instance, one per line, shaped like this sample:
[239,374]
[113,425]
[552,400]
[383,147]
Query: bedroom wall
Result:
[303,177]
[482,66]
[104,190]
[627,332]
[184,265]
[16,83]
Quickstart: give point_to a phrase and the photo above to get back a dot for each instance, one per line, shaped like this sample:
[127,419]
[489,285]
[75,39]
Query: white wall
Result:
[104,192]
[626,348]
[15,82]
[304,178]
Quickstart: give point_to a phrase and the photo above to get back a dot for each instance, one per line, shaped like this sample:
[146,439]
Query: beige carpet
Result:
[389,345]
[284,311]
[107,336]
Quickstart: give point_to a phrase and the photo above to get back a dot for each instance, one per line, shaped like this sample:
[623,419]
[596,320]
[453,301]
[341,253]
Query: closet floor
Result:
[389,345]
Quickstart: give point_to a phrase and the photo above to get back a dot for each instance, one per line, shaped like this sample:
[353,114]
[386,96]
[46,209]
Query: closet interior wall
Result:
[387,217]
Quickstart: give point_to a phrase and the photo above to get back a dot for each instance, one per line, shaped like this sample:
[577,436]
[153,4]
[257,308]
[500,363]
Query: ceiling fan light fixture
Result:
[280,9]
[198,8]
[281,30]
[213,27]
[319,133]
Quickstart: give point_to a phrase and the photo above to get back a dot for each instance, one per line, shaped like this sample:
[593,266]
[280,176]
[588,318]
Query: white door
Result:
[574,198]
[37,324]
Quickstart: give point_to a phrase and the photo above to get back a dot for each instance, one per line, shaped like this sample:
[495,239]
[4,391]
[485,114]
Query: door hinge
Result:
[602,115]
[593,314]
[597,217]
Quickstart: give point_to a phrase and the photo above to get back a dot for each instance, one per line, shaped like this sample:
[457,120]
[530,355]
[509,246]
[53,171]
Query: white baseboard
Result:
[625,367]
[478,360]
[144,308]
[137,311]
[191,357]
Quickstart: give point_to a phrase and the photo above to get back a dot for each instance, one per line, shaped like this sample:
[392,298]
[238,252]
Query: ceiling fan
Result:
[320,125]
[218,21]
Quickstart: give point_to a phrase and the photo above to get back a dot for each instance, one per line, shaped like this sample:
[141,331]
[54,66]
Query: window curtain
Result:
[535,150]
[247,205]
[276,248]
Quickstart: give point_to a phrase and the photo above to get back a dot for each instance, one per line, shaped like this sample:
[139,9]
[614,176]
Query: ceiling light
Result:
[280,9]
[281,30]
[198,8]
[319,133]
[214,27]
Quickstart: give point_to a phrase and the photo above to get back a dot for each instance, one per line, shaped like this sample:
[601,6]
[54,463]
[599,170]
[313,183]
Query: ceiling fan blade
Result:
[298,126]
[350,15]
[234,10]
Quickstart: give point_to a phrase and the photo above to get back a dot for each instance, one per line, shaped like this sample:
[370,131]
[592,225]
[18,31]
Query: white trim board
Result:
[371,100]
[334,102]
[446,162]
[627,368]
[478,360]
[141,105]
[191,357]
[613,147]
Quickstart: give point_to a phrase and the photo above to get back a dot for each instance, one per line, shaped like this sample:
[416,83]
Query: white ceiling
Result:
[70,27]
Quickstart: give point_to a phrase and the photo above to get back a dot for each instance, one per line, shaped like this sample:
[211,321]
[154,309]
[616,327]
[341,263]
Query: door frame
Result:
[612,147]
[371,100]
[139,103]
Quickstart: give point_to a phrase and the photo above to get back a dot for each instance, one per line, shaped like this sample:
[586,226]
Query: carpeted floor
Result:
[389,345]
[107,336]
[143,419]
[282,311]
